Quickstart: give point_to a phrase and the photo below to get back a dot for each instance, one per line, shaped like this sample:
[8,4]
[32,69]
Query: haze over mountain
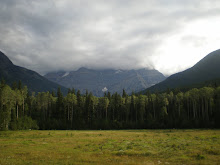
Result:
[169,36]
[100,81]
[205,70]
[35,82]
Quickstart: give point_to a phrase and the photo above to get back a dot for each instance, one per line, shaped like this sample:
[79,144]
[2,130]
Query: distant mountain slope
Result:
[205,70]
[98,81]
[35,82]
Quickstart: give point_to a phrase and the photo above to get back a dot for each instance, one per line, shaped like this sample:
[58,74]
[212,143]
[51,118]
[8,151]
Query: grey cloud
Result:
[48,35]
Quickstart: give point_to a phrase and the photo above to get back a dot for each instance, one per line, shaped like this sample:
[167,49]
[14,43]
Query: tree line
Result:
[195,108]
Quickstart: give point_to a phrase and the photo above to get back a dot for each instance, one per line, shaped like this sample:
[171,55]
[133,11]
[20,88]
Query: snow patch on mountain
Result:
[118,71]
[104,89]
[66,74]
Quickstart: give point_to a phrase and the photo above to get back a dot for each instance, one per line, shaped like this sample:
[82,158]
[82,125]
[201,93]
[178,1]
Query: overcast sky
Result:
[51,35]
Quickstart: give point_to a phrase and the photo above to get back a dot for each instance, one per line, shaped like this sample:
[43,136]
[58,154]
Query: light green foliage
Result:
[104,102]
[11,102]
[7,102]
[197,108]
[71,99]
[141,107]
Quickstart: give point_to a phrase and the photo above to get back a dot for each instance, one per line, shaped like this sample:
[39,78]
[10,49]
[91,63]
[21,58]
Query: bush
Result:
[24,123]
[200,157]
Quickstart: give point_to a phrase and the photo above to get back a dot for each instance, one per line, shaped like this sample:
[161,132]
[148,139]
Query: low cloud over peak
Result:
[47,35]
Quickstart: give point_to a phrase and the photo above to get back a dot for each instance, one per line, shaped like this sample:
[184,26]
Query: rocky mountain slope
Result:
[100,81]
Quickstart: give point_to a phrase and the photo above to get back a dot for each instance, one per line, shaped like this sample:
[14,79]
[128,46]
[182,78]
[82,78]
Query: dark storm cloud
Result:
[47,35]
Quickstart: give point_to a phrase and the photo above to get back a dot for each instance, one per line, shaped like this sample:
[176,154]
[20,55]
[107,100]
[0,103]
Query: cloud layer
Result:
[47,35]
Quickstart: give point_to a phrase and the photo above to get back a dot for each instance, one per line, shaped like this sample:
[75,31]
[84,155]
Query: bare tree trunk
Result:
[6,125]
[188,108]
[202,108]
[72,118]
[106,115]
[113,114]
[154,110]
[194,113]
[136,115]
[17,111]
[23,107]
[207,110]
[68,113]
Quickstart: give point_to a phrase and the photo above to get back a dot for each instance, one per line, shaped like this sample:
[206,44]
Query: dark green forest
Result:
[195,108]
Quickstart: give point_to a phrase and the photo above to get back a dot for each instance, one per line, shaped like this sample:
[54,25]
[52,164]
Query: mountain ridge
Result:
[207,69]
[114,80]
[34,81]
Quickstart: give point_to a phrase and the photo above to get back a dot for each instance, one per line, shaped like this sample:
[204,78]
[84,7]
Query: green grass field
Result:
[110,147]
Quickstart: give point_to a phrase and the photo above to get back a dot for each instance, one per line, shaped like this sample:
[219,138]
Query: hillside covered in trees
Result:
[196,108]
[34,81]
[202,73]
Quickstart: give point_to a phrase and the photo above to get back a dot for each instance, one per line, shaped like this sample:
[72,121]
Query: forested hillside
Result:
[202,73]
[35,82]
[196,108]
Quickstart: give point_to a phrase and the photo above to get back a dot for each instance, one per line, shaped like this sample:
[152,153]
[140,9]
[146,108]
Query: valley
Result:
[109,82]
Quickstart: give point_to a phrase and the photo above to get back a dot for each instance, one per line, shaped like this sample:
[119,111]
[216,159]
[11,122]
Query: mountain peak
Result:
[35,82]
[99,81]
[211,61]
[83,69]
[4,60]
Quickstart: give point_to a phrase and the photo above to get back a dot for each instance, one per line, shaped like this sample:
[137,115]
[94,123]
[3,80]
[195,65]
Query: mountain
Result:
[35,82]
[205,71]
[99,81]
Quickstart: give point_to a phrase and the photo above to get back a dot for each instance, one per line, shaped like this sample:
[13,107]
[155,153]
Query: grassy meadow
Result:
[110,147]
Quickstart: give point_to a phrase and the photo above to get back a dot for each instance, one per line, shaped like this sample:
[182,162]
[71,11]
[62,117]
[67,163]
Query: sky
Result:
[167,35]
